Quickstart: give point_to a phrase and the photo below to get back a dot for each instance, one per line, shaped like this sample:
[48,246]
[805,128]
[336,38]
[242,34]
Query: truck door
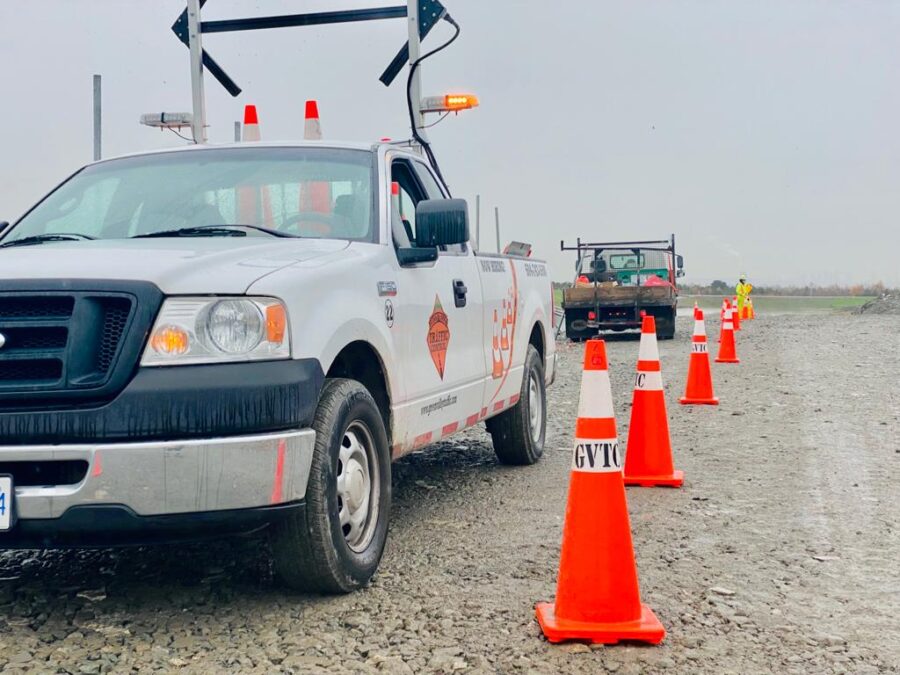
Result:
[438,326]
[505,339]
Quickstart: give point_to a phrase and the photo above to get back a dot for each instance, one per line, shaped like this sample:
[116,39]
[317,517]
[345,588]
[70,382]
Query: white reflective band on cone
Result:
[648,380]
[312,130]
[595,399]
[699,348]
[596,455]
[699,328]
[728,325]
[648,350]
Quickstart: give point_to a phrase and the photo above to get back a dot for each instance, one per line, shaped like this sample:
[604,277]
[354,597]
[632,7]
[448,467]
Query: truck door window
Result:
[411,193]
[434,191]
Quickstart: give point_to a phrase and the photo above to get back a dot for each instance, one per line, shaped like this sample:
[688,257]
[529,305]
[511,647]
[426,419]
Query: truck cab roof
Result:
[397,146]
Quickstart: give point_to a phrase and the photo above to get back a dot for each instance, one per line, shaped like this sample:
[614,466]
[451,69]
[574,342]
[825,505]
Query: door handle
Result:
[459,292]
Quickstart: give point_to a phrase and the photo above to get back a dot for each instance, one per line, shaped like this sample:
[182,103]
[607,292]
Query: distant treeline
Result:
[719,287]
[722,288]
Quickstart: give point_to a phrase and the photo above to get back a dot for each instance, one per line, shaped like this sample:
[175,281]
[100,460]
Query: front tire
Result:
[334,544]
[518,433]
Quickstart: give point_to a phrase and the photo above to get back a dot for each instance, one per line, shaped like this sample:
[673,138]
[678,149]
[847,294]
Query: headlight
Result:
[234,326]
[217,330]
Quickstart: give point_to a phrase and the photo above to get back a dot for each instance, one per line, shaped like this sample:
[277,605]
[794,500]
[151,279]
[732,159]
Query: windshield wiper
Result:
[43,238]
[225,230]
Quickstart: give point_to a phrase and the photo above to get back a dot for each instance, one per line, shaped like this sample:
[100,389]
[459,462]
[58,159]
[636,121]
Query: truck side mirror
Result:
[679,261]
[441,222]
[599,265]
[411,256]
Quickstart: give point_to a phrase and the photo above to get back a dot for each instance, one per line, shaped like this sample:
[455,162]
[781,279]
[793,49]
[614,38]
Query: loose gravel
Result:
[780,554]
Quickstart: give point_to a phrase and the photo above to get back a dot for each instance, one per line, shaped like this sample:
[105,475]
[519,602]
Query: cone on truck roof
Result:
[250,130]
[312,127]
[648,456]
[597,594]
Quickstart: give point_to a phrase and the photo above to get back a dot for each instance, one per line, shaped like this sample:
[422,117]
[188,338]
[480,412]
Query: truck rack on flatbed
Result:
[618,282]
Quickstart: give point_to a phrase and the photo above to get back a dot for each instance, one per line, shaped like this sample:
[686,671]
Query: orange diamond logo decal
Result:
[438,337]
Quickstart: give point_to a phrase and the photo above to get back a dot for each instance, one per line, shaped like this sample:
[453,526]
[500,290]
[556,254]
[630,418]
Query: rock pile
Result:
[887,303]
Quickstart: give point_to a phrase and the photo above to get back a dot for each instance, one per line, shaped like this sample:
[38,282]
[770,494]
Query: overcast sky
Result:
[764,133]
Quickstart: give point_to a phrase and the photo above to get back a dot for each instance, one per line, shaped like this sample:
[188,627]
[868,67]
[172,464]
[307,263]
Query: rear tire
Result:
[334,544]
[518,433]
[574,318]
[665,326]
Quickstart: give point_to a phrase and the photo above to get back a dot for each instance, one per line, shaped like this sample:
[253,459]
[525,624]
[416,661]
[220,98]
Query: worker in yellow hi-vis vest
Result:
[742,290]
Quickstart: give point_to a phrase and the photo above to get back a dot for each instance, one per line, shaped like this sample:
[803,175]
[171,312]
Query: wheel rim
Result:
[358,491]
[535,408]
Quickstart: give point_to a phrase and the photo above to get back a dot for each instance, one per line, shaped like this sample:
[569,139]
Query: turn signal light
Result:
[170,341]
[276,323]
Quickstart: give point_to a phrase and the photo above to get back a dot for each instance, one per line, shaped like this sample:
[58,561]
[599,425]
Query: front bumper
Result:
[162,478]
[176,403]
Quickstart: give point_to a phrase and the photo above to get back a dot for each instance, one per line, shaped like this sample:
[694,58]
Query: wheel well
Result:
[537,339]
[359,361]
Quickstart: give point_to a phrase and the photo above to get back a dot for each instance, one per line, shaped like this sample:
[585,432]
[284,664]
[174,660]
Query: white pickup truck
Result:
[224,340]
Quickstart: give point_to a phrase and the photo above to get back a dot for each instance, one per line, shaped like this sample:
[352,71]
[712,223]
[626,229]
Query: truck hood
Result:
[177,266]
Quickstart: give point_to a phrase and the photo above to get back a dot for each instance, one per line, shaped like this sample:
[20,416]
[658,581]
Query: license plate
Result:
[7,508]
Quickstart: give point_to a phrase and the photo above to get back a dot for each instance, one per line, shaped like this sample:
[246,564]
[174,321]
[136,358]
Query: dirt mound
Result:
[889,303]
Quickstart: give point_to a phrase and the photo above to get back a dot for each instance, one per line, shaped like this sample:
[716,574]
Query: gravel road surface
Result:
[780,554]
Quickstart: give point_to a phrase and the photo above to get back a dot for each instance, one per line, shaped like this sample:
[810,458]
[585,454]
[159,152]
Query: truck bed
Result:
[578,296]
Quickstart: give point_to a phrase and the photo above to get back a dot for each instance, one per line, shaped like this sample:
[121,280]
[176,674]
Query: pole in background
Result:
[477,222]
[237,131]
[497,221]
[97,118]
[198,122]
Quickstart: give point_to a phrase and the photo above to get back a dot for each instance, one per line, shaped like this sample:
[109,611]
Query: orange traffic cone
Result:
[248,201]
[496,354]
[751,313]
[696,309]
[648,458]
[736,315]
[727,347]
[725,306]
[597,594]
[699,390]
[315,196]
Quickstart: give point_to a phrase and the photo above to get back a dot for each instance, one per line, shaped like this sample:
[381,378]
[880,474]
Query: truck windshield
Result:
[308,192]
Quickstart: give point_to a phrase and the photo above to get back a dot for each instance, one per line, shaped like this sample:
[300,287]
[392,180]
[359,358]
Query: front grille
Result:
[115,318]
[46,307]
[31,370]
[60,341]
[31,338]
